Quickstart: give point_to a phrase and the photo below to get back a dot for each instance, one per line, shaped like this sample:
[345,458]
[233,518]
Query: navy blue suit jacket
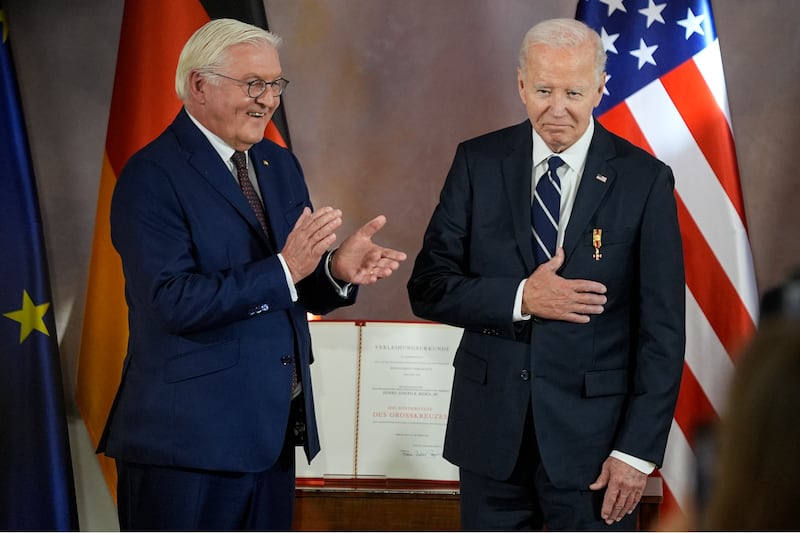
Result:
[609,384]
[206,382]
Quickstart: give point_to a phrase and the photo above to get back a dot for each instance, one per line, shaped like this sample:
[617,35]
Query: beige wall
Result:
[381,92]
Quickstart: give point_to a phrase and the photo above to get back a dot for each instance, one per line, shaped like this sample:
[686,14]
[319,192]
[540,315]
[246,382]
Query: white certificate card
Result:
[405,377]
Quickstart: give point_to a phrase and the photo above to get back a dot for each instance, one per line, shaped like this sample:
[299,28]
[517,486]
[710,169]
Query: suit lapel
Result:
[598,178]
[205,160]
[517,168]
[270,194]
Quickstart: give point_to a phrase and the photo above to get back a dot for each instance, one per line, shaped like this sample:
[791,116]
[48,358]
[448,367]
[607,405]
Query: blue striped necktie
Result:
[545,211]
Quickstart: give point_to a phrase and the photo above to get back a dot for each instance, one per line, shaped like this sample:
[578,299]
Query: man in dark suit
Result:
[568,371]
[223,257]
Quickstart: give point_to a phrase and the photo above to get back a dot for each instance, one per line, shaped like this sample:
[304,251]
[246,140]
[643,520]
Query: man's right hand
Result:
[312,235]
[548,295]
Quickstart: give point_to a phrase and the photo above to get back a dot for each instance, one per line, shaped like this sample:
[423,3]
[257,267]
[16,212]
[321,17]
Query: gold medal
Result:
[597,242]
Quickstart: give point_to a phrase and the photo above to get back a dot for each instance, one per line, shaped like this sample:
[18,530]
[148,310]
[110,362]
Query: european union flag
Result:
[36,484]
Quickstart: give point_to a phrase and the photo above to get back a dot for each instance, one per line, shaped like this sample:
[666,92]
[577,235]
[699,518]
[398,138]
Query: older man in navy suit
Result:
[556,246]
[223,256]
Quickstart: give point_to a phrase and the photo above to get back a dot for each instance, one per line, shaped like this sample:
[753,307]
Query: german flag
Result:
[143,104]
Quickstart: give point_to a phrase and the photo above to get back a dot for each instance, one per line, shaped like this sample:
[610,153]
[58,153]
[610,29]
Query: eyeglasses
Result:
[258,87]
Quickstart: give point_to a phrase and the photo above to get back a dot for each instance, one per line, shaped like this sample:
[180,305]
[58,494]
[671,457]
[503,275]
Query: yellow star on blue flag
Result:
[30,317]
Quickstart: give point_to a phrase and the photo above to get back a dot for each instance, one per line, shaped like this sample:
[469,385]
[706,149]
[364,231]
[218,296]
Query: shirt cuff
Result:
[645,467]
[342,290]
[517,315]
[289,282]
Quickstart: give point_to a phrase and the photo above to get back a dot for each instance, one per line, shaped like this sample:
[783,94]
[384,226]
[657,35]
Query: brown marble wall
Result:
[381,92]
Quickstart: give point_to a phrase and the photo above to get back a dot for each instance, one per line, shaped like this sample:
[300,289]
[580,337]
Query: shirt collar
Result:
[220,146]
[574,156]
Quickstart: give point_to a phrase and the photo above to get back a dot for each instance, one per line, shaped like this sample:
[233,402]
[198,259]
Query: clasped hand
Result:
[548,295]
[358,260]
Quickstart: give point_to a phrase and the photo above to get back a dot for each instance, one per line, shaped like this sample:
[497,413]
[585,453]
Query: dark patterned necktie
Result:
[240,162]
[545,212]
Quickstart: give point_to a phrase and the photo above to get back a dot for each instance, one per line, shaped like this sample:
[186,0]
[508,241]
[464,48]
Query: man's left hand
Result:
[362,262]
[624,486]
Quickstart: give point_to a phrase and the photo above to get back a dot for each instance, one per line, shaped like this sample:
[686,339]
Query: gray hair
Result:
[205,50]
[563,33]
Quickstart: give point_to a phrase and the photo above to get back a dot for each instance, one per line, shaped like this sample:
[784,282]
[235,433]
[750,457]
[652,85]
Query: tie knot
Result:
[239,160]
[554,163]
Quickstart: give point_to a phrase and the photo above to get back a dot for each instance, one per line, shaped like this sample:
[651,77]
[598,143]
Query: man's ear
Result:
[197,83]
[521,85]
[599,95]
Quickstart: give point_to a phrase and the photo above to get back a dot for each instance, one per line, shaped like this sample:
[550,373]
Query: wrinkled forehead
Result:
[563,62]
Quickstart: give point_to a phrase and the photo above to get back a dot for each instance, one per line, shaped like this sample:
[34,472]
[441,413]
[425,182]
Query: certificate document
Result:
[382,394]
[405,379]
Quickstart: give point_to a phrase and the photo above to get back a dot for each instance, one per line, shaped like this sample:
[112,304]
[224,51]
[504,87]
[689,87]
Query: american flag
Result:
[665,91]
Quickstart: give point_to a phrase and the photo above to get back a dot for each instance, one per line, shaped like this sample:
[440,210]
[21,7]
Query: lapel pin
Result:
[601,178]
[597,242]
[265,162]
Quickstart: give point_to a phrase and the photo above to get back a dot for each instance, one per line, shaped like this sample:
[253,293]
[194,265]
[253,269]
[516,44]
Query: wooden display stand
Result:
[392,506]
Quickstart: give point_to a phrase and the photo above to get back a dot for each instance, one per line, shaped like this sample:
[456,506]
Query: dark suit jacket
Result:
[609,384]
[206,381]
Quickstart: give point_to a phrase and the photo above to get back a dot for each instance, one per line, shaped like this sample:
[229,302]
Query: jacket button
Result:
[286,360]
[525,375]
[263,308]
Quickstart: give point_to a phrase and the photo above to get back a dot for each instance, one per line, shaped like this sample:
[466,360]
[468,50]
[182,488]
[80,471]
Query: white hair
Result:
[206,48]
[563,33]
